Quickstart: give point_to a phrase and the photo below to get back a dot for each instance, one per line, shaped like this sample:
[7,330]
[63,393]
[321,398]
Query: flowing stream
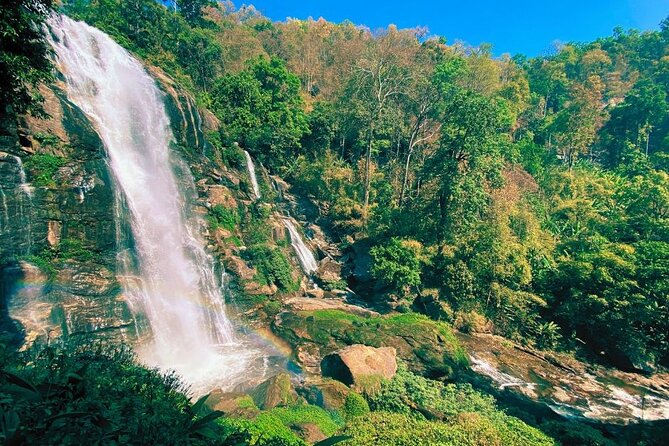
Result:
[252,173]
[304,254]
[171,284]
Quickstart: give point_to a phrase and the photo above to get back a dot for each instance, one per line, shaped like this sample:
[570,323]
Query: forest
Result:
[526,197]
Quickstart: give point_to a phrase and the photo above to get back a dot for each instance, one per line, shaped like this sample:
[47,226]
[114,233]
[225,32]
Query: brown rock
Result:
[221,195]
[309,432]
[360,366]
[232,403]
[326,393]
[276,391]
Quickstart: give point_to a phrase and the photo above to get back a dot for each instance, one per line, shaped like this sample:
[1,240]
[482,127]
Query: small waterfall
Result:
[5,211]
[25,187]
[167,276]
[24,210]
[252,174]
[304,254]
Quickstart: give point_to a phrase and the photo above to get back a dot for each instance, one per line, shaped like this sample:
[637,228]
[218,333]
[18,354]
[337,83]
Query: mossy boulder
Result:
[276,391]
[428,347]
[327,393]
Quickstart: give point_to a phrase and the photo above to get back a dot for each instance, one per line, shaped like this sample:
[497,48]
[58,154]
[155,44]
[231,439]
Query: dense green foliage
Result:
[43,168]
[410,410]
[24,59]
[272,266]
[96,395]
[529,196]
[220,216]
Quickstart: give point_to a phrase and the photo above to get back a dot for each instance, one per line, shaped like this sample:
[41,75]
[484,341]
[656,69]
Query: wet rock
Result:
[86,279]
[276,391]
[568,386]
[360,366]
[329,394]
[233,404]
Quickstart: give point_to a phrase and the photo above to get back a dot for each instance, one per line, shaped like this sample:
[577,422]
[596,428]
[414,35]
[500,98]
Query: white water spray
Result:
[252,173]
[174,286]
[304,254]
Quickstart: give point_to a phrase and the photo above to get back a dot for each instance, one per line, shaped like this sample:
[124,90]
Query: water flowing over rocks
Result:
[569,387]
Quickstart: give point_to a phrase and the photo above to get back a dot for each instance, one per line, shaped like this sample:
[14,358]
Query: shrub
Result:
[272,266]
[71,395]
[397,263]
[223,217]
[472,416]
[274,427]
[355,405]
[43,168]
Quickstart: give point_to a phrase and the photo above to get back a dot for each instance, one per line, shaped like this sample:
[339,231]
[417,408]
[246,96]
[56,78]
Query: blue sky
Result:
[513,26]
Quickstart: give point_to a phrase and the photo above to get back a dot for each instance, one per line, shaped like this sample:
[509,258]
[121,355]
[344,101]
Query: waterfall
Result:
[25,187]
[304,254]
[171,284]
[252,174]
[5,213]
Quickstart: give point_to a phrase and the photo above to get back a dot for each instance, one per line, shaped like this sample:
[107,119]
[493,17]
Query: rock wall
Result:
[59,234]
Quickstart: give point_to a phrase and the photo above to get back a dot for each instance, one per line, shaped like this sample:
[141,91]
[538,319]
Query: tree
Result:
[575,127]
[397,263]
[380,78]
[24,61]
[191,10]
[198,51]
[261,109]
[466,162]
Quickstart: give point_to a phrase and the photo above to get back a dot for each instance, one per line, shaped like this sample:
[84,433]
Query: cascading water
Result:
[172,285]
[304,254]
[25,187]
[252,173]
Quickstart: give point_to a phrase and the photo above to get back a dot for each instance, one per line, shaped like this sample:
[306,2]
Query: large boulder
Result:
[326,393]
[276,391]
[360,366]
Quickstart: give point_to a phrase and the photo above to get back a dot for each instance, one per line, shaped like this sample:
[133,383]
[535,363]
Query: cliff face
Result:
[62,223]
[59,233]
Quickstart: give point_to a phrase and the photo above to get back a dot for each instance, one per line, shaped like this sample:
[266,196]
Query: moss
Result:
[471,429]
[303,414]
[429,346]
[264,430]
[48,259]
[274,426]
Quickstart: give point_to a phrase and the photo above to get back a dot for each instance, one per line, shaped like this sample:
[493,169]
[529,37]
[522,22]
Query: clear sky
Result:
[512,26]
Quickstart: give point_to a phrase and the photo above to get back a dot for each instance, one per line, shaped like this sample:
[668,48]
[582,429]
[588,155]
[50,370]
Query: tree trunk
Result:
[406,171]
